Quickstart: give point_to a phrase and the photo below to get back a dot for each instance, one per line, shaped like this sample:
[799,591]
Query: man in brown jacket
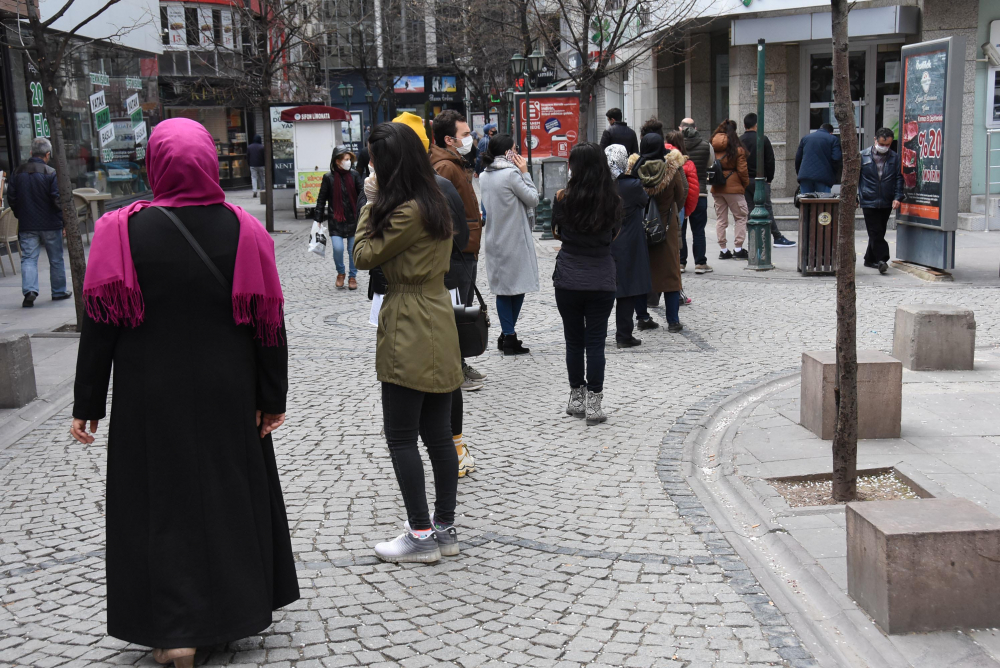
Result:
[452,142]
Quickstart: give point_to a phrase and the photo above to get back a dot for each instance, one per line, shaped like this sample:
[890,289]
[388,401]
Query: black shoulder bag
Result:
[197,248]
[471,320]
[652,221]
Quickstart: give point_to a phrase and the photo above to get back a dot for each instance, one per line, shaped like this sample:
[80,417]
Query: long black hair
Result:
[497,148]
[728,128]
[405,174]
[591,203]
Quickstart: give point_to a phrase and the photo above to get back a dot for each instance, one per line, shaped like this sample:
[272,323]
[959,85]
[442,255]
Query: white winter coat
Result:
[511,264]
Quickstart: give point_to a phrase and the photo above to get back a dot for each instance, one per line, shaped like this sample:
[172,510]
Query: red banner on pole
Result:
[555,124]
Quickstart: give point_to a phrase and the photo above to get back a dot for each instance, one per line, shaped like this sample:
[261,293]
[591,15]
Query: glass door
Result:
[820,83]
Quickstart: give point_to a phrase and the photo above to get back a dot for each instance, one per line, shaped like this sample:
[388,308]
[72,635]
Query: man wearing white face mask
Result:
[880,189]
[452,141]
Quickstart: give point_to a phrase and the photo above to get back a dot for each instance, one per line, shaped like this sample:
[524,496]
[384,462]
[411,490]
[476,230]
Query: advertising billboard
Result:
[930,110]
[409,84]
[555,123]
[444,84]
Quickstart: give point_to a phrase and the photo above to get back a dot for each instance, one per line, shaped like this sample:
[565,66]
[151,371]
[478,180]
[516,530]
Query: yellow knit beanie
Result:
[414,123]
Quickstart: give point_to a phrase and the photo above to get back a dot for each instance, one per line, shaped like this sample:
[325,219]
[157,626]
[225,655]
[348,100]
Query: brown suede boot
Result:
[352,283]
[340,281]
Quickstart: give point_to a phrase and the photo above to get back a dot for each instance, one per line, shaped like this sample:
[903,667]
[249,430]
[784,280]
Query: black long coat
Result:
[629,247]
[198,546]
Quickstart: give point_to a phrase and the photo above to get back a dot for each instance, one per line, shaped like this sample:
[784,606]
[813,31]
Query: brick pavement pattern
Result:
[581,545]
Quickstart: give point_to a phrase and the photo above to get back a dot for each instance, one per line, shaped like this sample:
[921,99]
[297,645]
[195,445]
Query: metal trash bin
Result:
[818,235]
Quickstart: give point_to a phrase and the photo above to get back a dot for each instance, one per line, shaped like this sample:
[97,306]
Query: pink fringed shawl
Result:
[183,170]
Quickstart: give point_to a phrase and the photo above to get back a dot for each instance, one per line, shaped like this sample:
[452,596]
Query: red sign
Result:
[555,125]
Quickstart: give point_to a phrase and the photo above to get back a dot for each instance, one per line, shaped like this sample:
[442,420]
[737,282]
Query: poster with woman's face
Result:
[922,141]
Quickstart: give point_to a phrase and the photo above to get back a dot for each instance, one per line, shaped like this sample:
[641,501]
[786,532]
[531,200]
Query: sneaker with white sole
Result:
[783,242]
[703,269]
[408,549]
[472,385]
[472,374]
[576,406]
[466,463]
[445,535]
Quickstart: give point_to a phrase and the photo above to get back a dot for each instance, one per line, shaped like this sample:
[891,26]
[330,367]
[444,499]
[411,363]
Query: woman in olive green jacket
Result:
[417,359]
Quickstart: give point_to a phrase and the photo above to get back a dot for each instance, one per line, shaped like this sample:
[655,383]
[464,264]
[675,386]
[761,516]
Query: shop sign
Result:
[100,79]
[176,30]
[106,134]
[140,153]
[107,155]
[308,185]
[37,94]
[922,145]
[97,102]
[131,105]
[228,41]
[555,124]
[206,33]
[136,117]
[133,83]
[41,125]
[102,117]
[282,151]
[140,132]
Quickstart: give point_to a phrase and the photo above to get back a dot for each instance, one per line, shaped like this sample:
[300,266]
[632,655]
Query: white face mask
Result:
[881,149]
[569,174]
[466,145]
[345,164]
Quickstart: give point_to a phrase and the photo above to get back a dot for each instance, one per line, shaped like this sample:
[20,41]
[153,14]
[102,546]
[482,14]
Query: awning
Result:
[314,112]
[805,27]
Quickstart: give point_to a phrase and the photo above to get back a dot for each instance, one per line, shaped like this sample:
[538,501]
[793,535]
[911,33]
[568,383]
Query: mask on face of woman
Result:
[345,164]
[466,145]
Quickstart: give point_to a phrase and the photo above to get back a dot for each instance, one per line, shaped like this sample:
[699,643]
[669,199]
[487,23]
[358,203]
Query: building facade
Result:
[708,71]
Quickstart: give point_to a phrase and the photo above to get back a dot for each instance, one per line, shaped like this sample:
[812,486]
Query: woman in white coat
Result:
[511,265]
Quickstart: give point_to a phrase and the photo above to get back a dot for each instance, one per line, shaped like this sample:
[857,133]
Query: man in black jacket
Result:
[619,132]
[699,152]
[33,195]
[749,141]
[880,189]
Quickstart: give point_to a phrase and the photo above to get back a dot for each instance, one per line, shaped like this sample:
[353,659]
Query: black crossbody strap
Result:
[197,248]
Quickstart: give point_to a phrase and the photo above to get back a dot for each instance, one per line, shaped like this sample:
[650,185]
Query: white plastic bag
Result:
[317,239]
[376,307]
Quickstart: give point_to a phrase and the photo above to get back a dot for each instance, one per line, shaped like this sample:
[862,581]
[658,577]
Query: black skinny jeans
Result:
[585,316]
[624,325]
[405,414]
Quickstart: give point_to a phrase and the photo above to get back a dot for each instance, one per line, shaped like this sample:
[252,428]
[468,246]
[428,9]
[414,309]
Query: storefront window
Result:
[110,103]
[228,128]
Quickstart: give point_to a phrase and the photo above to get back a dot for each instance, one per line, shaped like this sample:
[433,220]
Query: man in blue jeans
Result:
[33,195]
[818,160]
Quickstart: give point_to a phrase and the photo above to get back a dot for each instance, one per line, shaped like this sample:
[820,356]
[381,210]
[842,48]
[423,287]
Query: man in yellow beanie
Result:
[416,124]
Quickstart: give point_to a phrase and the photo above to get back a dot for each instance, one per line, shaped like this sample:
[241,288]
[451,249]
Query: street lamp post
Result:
[517,68]
[508,97]
[371,108]
[759,225]
[517,65]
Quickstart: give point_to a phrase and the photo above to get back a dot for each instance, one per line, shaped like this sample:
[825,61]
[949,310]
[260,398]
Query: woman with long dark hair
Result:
[662,175]
[586,215]
[511,265]
[730,197]
[405,230]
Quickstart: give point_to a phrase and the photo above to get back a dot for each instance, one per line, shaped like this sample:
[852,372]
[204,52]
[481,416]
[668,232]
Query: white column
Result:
[377,18]
[430,33]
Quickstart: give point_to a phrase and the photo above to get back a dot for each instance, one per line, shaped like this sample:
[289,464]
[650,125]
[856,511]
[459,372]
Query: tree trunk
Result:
[53,112]
[586,92]
[845,435]
[268,180]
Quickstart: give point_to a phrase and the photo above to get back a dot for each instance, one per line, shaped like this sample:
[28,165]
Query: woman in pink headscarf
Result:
[198,547]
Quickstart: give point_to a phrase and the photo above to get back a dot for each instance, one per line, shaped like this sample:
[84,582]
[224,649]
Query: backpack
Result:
[653,223]
[717,176]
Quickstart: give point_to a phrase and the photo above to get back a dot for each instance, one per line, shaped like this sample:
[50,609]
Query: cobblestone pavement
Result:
[581,546]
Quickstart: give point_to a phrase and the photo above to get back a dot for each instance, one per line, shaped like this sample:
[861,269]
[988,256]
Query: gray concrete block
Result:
[880,394]
[17,372]
[931,337]
[924,564]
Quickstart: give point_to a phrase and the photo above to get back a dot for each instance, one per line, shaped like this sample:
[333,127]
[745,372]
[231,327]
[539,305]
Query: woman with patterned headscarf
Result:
[629,247]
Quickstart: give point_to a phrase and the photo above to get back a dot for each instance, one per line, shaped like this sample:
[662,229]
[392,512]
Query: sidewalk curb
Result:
[828,622]
[17,425]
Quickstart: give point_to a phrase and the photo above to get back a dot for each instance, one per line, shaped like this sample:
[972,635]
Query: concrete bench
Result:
[924,564]
[880,394]
[17,372]
[930,337]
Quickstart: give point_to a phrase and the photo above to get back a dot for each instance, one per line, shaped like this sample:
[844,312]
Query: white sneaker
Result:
[407,548]
[471,385]
[466,463]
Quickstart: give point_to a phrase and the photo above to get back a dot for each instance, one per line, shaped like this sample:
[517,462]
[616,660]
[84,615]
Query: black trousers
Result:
[457,406]
[585,316]
[624,325]
[405,414]
[878,248]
